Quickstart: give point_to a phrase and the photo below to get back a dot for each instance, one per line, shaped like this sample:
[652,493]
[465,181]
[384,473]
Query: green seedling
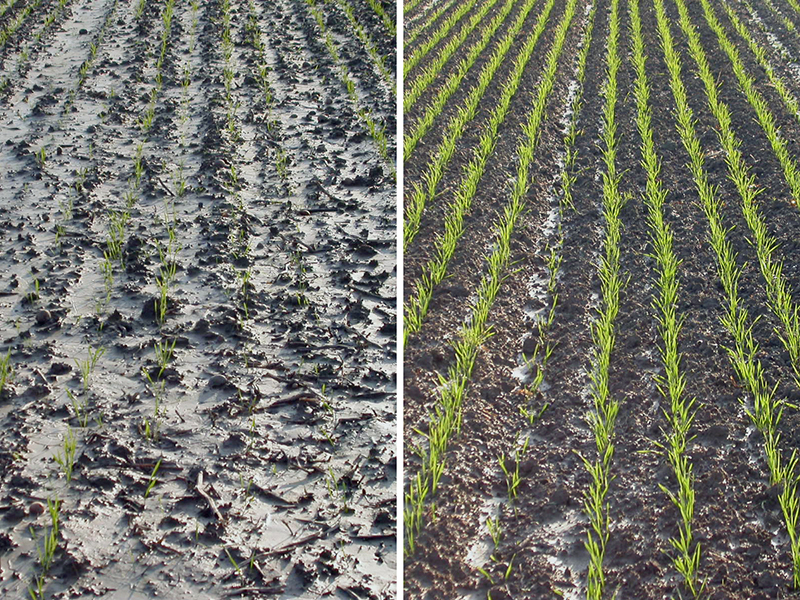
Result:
[337,490]
[164,351]
[509,569]
[153,481]
[66,459]
[5,369]
[495,530]
[48,549]
[81,408]
[86,366]
[33,295]
[282,163]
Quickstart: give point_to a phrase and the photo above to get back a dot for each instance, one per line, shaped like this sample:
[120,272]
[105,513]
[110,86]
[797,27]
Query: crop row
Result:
[672,385]
[432,69]
[453,387]
[456,189]
[423,125]
[412,34]
[436,270]
[424,48]
[376,131]
[456,128]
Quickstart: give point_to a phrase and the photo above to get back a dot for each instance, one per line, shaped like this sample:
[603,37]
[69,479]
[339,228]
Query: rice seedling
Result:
[151,426]
[80,179]
[81,408]
[337,490]
[87,365]
[152,481]
[6,370]
[33,295]
[495,530]
[164,352]
[282,163]
[138,165]
[66,456]
[513,479]
[47,551]
[41,157]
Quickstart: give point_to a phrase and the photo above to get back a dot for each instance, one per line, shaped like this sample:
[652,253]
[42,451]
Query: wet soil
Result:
[260,460]
[738,522]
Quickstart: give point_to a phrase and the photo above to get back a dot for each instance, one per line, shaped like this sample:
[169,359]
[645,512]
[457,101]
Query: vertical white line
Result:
[399,27]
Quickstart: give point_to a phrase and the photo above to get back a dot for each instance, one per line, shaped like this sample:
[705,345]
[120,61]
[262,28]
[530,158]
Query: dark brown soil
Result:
[737,519]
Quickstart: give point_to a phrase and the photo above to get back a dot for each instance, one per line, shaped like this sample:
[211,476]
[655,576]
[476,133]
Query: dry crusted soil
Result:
[267,466]
[738,522]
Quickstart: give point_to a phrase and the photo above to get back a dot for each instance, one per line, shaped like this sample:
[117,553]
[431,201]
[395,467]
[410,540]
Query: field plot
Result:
[197,307]
[602,322]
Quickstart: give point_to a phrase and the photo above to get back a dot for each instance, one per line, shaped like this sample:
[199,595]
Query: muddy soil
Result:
[236,439]
[738,523]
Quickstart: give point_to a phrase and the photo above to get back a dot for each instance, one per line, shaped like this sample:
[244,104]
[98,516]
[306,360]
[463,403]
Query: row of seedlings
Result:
[421,194]
[672,384]
[536,360]
[763,408]
[282,158]
[410,5]
[376,130]
[378,60]
[413,90]
[388,22]
[776,44]
[422,50]
[789,101]
[602,418]
[777,286]
[94,47]
[435,270]
[66,458]
[420,85]
[24,56]
[411,35]
[8,4]
[446,422]
[7,34]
